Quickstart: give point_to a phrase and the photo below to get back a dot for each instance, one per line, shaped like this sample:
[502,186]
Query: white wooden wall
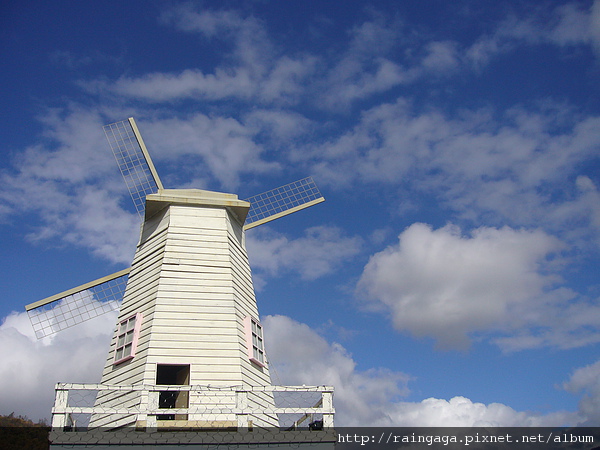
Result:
[191,281]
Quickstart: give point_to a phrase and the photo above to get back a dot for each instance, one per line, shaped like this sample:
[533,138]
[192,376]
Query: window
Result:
[254,341]
[127,337]
[177,375]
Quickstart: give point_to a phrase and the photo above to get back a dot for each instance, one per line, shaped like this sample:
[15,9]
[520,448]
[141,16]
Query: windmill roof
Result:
[196,197]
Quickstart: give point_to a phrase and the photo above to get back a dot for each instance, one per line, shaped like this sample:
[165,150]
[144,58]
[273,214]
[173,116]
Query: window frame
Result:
[136,320]
[250,325]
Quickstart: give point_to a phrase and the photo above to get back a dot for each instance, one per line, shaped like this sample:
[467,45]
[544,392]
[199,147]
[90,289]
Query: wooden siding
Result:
[191,280]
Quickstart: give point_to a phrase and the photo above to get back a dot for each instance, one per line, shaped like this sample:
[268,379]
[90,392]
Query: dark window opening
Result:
[173,375]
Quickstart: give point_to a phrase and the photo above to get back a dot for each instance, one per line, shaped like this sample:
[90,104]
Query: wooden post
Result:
[151,424]
[328,409]
[143,408]
[241,400]
[59,411]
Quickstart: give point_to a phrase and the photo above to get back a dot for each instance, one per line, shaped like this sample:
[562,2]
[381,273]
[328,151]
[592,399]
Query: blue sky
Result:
[451,276]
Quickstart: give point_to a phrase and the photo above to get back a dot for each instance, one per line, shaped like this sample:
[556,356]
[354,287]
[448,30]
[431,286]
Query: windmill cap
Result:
[196,197]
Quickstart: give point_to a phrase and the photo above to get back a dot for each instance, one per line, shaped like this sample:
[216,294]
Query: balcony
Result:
[93,413]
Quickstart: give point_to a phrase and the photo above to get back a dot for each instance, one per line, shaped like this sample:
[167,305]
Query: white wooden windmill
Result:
[188,315]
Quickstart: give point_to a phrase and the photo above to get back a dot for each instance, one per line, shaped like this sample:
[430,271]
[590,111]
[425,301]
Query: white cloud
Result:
[31,368]
[287,79]
[253,68]
[251,46]
[478,163]
[369,66]
[380,54]
[301,356]
[442,284]
[280,127]
[588,201]
[587,379]
[190,83]
[574,25]
[441,56]
[217,147]
[321,251]
[595,23]
[277,81]
[563,325]
[250,67]
[351,81]
[210,23]
[374,397]
[570,24]
[478,145]
[463,412]
[72,183]
[366,66]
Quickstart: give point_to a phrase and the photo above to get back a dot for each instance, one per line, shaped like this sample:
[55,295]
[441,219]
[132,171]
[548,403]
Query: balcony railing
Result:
[81,407]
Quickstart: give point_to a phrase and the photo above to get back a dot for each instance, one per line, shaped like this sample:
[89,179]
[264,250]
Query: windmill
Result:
[187,308]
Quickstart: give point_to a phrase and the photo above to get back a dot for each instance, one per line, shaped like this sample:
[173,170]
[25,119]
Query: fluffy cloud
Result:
[254,69]
[477,164]
[190,83]
[216,147]
[463,412]
[442,284]
[318,253]
[397,56]
[361,397]
[374,397]
[279,127]
[587,379]
[250,52]
[570,24]
[246,36]
[365,67]
[212,23]
[380,55]
[30,368]
[251,70]
[562,325]
[71,182]
[595,23]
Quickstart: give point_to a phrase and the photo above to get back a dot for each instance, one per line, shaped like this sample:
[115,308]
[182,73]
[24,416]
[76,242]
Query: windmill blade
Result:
[282,201]
[134,161]
[77,305]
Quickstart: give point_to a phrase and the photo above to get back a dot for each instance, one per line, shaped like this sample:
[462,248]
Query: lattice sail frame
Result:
[77,305]
[134,161]
[282,201]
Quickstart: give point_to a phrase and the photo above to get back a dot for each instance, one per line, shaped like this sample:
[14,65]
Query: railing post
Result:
[59,411]
[241,402]
[152,397]
[143,408]
[327,409]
